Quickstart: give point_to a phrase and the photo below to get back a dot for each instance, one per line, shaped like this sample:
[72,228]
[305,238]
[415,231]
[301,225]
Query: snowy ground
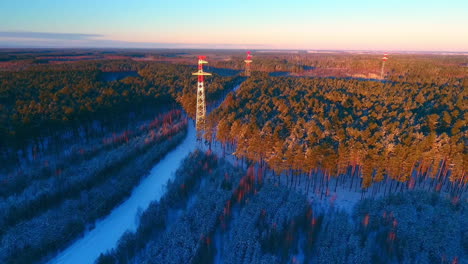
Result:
[343,198]
[108,231]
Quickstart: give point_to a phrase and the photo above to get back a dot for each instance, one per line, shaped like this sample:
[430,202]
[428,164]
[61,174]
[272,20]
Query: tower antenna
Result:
[384,59]
[248,61]
[201,106]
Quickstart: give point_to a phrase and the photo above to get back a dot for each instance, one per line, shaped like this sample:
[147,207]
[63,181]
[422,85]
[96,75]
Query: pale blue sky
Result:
[313,24]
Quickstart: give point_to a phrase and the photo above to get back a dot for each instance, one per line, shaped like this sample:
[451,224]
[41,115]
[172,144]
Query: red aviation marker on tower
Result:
[201,107]
[384,59]
[248,61]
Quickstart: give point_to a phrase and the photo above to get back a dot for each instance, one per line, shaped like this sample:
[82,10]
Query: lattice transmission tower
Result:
[201,106]
[248,61]
[384,59]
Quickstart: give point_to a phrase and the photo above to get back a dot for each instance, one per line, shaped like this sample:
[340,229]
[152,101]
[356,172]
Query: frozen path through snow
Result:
[108,230]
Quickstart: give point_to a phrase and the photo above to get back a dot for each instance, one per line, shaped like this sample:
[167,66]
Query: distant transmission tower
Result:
[201,106]
[384,59]
[248,61]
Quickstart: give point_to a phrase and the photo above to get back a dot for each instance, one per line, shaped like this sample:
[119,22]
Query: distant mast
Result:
[201,106]
[248,61]
[384,59]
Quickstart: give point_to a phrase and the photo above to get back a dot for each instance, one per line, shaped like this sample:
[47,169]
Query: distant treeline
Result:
[414,68]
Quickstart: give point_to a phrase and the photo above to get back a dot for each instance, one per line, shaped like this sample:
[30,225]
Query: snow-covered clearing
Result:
[108,230]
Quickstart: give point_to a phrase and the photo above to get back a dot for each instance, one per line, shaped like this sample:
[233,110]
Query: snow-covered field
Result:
[108,231]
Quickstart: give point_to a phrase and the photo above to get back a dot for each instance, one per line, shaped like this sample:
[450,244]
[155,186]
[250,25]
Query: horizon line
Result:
[224,48]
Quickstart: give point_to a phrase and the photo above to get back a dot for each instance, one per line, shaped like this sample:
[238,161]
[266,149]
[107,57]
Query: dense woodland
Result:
[77,137]
[49,103]
[80,129]
[46,97]
[44,210]
[87,142]
[179,227]
[332,126]
[211,214]
[412,227]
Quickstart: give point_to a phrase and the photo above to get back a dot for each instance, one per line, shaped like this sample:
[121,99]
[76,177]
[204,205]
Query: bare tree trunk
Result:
[300,176]
[321,185]
[352,178]
[336,183]
[390,189]
[359,180]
